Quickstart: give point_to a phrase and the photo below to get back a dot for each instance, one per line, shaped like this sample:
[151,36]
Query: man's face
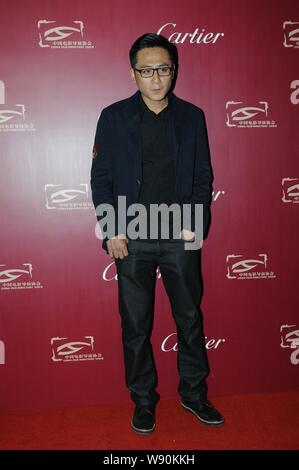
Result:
[156,87]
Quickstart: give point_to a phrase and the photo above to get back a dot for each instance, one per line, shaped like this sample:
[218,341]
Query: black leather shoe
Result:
[143,420]
[204,411]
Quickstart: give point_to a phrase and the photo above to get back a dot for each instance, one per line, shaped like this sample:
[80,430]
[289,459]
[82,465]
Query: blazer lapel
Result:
[132,119]
[178,126]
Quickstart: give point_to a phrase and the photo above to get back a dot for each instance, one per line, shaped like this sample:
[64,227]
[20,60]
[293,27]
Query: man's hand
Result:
[117,246]
[188,236]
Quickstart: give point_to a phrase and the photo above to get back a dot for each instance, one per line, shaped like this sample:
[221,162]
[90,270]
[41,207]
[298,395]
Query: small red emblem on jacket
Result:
[94,152]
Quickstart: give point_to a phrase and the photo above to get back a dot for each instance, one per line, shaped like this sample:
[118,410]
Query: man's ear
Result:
[173,71]
[132,73]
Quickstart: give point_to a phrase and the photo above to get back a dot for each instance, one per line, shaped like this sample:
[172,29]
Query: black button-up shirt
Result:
[158,165]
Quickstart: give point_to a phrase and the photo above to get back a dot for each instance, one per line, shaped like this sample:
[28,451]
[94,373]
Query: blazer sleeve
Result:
[101,181]
[203,174]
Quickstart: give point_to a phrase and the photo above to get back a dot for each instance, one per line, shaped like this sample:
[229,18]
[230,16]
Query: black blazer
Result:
[117,156]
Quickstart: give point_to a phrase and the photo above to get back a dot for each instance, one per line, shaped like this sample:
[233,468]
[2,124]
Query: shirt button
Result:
[138,181]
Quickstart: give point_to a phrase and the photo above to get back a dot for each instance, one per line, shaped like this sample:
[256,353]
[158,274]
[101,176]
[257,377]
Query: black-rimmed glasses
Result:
[149,72]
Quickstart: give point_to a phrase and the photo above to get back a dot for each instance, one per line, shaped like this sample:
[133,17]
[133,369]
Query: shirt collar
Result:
[143,108]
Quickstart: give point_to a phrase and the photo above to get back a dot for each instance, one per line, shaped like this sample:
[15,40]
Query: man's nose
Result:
[156,76]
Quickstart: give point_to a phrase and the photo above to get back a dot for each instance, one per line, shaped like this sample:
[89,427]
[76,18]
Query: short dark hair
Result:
[153,40]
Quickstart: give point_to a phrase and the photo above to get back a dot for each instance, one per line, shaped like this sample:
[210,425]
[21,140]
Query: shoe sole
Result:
[142,432]
[209,423]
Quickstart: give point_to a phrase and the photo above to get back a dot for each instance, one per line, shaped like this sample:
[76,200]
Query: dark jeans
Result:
[181,274]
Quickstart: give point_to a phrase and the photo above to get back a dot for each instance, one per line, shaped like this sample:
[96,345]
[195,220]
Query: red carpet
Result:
[252,422]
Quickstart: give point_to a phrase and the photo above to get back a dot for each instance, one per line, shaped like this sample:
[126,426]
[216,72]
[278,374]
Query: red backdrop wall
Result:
[61,63]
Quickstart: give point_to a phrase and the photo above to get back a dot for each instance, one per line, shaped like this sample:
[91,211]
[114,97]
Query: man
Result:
[153,149]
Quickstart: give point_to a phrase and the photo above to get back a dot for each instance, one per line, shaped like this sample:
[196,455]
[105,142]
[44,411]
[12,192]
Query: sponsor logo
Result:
[291,34]
[17,278]
[2,353]
[109,273]
[63,198]
[12,117]
[294,97]
[290,190]
[289,338]
[170,343]
[239,267]
[2,93]
[198,36]
[56,36]
[248,116]
[74,351]
[216,195]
